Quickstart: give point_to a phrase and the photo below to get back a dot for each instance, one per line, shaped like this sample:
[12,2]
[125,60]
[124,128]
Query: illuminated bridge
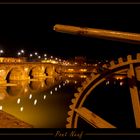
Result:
[19,69]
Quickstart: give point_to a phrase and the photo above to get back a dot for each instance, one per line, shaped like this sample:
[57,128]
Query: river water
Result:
[41,103]
[45,103]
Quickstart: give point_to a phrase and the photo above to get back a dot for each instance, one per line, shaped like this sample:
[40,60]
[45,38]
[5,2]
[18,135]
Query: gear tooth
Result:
[69,119]
[129,57]
[112,63]
[89,77]
[95,70]
[120,60]
[80,89]
[76,94]
[69,113]
[73,100]
[87,80]
[138,55]
[92,74]
[71,106]
[105,66]
[68,126]
[84,83]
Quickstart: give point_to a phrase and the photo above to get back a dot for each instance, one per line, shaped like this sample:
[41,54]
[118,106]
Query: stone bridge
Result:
[26,70]
[18,69]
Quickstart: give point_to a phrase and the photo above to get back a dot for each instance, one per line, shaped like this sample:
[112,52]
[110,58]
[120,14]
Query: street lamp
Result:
[22,51]
[19,53]
[36,53]
[45,55]
[1,52]
[31,55]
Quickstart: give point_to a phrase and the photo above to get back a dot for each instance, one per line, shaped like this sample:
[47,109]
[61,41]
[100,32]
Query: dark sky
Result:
[30,27]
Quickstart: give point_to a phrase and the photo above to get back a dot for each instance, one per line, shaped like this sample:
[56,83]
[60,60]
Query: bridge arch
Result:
[50,70]
[46,71]
[20,88]
[17,73]
[36,72]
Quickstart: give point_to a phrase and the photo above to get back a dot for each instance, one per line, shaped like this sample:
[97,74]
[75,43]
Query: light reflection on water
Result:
[41,103]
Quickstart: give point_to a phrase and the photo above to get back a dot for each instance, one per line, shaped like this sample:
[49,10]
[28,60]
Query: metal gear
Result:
[131,67]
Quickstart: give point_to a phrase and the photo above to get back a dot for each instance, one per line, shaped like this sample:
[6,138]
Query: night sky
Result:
[30,27]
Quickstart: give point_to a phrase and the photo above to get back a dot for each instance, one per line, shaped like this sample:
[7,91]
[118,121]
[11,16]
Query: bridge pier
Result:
[37,73]
[51,71]
[3,72]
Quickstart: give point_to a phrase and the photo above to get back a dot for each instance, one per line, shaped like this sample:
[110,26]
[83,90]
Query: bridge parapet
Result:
[11,59]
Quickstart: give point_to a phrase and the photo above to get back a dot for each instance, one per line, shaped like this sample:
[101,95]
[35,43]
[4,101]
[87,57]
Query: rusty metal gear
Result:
[131,67]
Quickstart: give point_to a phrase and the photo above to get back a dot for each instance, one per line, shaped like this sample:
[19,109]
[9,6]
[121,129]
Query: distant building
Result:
[80,59]
[11,59]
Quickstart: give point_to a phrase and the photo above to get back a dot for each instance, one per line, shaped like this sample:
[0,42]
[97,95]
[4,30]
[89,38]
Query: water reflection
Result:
[45,103]
[42,103]
[28,86]
[3,93]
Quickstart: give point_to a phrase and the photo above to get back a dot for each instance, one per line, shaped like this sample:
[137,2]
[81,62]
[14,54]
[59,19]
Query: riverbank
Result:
[9,121]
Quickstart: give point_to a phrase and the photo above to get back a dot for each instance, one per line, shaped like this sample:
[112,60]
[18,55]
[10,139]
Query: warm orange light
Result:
[70,75]
[83,70]
[70,70]
[26,69]
[119,77]
[83,76]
